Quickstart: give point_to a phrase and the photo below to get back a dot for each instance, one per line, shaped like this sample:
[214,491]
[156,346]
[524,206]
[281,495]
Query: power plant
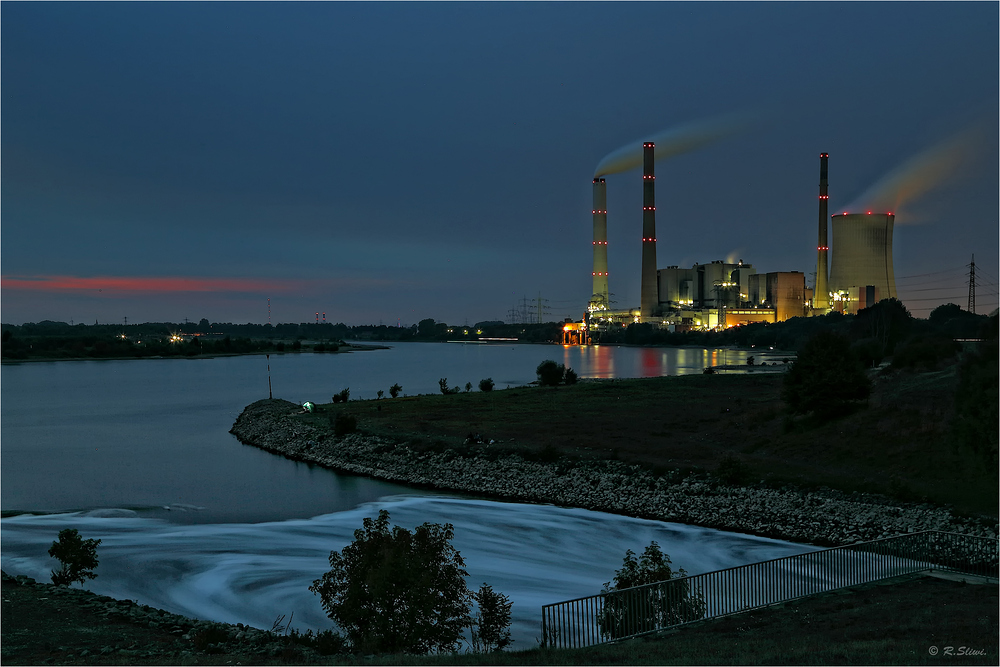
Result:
[861,267]
[856,274]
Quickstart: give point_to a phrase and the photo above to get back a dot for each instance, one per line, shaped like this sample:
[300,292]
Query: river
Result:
[137,453]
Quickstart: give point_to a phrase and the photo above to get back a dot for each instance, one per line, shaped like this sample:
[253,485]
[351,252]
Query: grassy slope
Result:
[876,624]
[899,444]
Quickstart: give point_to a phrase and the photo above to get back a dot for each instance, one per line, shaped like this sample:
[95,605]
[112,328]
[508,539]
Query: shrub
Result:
[342,396]
[344,424]
[490,630]
[974,424]
[732,470]
[78,557]
[443,384]
[645,609]
[379,394]
[397,591]
[826,378]
[394,390]
[571,376]
[486,384]
[468,386]
[550,373]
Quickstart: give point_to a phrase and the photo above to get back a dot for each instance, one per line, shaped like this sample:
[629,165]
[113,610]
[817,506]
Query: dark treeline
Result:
[59,340]
[886,330]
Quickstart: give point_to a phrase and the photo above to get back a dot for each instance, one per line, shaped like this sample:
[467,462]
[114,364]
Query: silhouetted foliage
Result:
[394,390]
[925,352]
[78,557]
[550,373]
[397,591]
[486,384]
[443,384]
[571,377]
[641,610]
[888,322]
[826,378]
[490,628]
[976,417]
[344,424]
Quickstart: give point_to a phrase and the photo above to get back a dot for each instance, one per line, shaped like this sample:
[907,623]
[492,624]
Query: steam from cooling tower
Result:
[920,174]
[672,142]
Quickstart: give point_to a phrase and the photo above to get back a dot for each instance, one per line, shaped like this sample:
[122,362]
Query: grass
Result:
[888,624]
[899,444]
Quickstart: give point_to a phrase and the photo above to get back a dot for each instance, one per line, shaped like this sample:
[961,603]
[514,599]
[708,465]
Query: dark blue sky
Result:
[384,162]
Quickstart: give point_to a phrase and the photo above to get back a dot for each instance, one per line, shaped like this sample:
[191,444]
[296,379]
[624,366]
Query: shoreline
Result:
[822,517]
[352,347]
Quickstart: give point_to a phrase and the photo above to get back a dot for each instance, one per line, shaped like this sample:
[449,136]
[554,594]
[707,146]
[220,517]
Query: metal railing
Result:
[614,615]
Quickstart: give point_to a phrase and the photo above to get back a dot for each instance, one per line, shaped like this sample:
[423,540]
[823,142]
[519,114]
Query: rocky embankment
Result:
[822,517]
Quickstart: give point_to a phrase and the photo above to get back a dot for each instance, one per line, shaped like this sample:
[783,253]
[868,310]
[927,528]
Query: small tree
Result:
[638,610]
[490,628]
[571,376]
[826,377]
[486,384]
[77,556]
[550,373]
[397,591]
[394,390]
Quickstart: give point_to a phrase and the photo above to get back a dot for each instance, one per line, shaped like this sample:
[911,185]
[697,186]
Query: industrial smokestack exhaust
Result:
[600,296]
[649,300]
[821,295]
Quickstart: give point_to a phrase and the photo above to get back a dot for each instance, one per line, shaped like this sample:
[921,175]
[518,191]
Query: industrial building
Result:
[855,274]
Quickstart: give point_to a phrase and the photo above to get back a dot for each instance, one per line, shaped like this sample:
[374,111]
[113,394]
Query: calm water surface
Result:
[138,454]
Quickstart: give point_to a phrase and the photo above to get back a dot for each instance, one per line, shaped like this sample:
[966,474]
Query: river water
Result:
[137,453]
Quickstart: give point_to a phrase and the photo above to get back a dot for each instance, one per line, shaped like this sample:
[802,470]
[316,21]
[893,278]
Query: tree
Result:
[550,373]
[976,399]
[77,556]
[826,378]
[486,384]
[490,628]
[629,610]
[397,591]
[443,384]
[394,390]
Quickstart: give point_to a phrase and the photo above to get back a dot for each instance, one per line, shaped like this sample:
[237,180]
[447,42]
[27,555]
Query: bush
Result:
[342,396]
[976,404]
[486,384]
[394,390]
[397,591]
[926,352]
[826,378]
[651,608]
[571,376]
[77,556]
[344,424]
[443,384]
[550,374]
[490,630]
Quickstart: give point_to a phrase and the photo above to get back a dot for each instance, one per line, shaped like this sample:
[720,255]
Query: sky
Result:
[390,162]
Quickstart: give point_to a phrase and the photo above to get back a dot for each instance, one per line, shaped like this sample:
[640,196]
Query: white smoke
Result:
[920,174]
[674,141]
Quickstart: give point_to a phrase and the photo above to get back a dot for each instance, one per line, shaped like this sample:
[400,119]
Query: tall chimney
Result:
[821,295]
[600,294]
[649,299]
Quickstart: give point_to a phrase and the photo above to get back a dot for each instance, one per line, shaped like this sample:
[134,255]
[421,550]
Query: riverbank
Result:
[519,472]
[58,625]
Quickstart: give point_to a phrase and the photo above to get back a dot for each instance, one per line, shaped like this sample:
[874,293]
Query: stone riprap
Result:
[823,517]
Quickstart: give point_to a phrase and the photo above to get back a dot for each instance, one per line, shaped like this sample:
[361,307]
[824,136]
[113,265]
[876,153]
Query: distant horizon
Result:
[397,161]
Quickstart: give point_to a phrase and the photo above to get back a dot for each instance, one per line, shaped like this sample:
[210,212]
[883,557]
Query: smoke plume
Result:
[920,174]
[672,142]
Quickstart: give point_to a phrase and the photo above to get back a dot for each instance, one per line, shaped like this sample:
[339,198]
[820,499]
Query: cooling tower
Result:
[649,299]
[600,293]
[862,252]
[821,295]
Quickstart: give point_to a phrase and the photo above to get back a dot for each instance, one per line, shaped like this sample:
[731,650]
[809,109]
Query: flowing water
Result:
[137,453]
